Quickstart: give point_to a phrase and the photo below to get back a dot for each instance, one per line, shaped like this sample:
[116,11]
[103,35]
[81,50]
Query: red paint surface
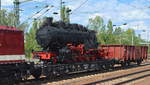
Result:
[43,55]
[13,61]
[11,41]
[8,28]
[124,52]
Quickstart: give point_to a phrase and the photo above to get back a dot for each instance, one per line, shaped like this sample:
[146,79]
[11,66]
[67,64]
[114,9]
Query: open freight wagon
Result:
[124,54]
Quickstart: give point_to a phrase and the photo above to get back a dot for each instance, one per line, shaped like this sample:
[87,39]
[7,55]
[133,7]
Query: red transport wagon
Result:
[11,45]
[124,54]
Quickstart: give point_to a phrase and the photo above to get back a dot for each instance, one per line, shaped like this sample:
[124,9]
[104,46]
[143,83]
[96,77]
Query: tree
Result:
[117,31]
[118,34]
[8,19]
[107,34]
[110,35]
[30,42]
[65,14]
[96,24]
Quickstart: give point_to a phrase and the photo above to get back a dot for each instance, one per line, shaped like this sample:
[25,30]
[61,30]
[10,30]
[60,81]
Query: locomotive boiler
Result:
[52,36]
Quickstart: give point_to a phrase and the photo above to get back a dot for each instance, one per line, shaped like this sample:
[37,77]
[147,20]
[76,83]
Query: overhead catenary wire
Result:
[46,8]
[136,7]
[30,17]
[32,7]
[17,10]
[79,6]
[42,14]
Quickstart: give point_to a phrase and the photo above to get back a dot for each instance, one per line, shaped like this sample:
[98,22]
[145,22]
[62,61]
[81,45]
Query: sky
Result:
[136,13]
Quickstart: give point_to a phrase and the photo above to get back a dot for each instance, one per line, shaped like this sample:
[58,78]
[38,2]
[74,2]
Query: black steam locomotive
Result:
[52,36]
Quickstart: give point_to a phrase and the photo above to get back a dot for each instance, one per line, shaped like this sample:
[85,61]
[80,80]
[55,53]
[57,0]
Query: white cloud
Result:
[7,2]
[118,12]
[140,27]
[106,16]
[136,25]
[135,14]
[36,0]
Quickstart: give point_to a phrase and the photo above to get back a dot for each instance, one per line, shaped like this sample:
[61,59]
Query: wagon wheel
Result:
[129,63]
[18,76]
[11,81]
[51,76]
[112,65]
[106,66]
[123,64]
[37,73]
[139,61]
[100,67]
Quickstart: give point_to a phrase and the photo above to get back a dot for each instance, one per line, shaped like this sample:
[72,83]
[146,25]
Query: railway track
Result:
[118,76]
